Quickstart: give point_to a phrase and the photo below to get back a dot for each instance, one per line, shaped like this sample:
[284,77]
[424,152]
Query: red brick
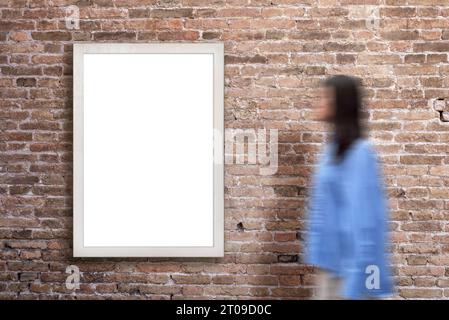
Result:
[51,36]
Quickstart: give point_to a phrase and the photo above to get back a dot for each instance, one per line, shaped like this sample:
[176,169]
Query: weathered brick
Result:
[51,36]
[400,35]
[171,13]
[431,46]
[28,276]
[26,82]
[178,35]
[421,293]
[118,35]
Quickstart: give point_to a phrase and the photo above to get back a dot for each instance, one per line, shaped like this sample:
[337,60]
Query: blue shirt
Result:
[348,221]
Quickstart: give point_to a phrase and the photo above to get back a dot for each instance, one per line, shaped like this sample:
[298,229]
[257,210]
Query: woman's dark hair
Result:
[347,111]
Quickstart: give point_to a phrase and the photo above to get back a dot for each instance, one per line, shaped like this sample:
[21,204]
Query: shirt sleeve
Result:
[316,216]
[368,215]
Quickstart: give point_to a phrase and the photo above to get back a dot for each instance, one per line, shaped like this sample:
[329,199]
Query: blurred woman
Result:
[347,238]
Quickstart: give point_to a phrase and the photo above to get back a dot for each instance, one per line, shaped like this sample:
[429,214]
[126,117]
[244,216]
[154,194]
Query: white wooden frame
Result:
[79,247]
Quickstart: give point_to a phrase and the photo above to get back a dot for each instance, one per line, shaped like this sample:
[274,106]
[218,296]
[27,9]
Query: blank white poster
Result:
[148,155]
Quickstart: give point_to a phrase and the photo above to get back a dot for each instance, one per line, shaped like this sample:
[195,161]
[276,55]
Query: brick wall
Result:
[276,52]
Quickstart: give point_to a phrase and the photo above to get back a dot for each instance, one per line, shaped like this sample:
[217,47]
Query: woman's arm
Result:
[366,273]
